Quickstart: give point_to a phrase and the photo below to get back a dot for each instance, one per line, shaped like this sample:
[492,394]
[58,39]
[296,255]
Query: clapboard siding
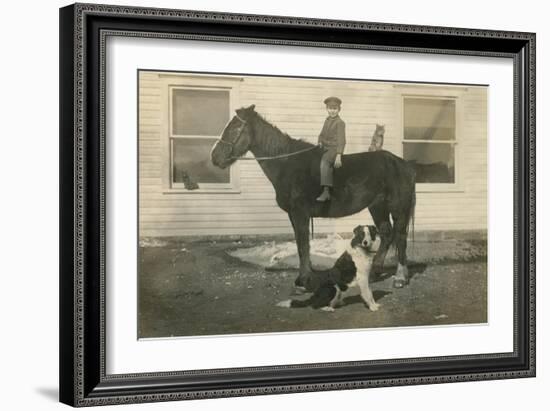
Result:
[295,106]
[150,152]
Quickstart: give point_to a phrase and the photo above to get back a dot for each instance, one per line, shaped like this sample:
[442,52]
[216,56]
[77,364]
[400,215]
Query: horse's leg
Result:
[300,223]
[381,218]
[401,221]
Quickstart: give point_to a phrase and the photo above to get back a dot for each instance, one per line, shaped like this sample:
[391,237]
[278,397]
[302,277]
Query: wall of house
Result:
[296,107]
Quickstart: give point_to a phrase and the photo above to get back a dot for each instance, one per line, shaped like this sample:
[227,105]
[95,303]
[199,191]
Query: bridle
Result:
[239,134]
[232,144]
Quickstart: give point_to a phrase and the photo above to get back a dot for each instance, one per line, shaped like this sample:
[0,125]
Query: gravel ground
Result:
[201,288]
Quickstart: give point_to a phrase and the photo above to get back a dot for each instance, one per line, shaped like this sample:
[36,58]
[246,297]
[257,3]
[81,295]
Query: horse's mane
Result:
[275,141]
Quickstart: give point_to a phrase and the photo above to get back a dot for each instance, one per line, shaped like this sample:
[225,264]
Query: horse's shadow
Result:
[414,268]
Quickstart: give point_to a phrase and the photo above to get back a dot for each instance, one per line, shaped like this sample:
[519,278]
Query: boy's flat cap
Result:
[333,100]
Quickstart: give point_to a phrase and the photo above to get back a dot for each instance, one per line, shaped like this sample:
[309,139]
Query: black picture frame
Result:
[83,29]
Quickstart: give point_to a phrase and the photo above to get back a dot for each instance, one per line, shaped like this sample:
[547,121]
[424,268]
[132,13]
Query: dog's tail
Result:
[320,298]
[294,303]
[300,303]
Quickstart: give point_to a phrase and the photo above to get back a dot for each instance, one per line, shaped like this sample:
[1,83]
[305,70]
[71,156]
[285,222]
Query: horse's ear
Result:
[245,112]
[242,113]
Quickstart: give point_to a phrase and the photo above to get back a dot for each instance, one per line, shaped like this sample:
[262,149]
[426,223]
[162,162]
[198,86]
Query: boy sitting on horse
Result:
[333,139]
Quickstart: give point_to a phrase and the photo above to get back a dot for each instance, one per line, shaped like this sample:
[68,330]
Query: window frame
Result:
[437,94]
[173,82]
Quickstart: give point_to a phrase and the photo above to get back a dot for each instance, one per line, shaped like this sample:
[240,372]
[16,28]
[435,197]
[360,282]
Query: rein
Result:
[275,157]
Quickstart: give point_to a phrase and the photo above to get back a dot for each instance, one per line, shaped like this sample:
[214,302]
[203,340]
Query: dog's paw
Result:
[285,304]
[327,309]
[374,306]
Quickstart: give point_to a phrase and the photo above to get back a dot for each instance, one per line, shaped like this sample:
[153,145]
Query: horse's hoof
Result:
[299,282]
[285,304]
[399,283]
[303,279]
[299,290]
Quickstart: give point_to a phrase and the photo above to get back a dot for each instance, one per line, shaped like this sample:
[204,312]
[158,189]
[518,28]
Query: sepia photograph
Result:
[277,204]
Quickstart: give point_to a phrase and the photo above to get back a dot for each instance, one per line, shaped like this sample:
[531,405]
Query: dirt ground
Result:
[199,288]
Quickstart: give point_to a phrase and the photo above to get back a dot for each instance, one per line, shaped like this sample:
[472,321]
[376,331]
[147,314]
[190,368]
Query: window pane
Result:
[433,162]
[199,112]
[191,162]
[429,119]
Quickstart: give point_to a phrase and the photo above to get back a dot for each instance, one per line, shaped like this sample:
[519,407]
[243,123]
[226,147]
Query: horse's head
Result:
[235,139]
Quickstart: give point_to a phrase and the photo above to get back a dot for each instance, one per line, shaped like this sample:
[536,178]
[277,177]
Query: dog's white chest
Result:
[362,263]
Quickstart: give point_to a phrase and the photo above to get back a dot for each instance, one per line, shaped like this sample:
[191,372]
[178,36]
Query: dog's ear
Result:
[358,235]
[373,231]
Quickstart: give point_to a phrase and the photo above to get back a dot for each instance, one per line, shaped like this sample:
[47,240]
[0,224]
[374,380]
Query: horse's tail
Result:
[412,207]
[411,212]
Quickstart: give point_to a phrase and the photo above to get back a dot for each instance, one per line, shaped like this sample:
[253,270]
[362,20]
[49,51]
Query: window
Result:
[429,138]
[197,118]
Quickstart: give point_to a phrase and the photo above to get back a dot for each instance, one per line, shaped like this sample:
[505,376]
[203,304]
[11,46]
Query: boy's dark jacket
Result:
[333,134]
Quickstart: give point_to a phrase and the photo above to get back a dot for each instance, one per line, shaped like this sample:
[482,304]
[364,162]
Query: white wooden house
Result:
[441,127]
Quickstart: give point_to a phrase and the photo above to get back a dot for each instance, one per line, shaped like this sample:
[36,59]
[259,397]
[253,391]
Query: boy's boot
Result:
[325,195]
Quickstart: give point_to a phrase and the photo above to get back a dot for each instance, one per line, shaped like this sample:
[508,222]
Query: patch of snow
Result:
[273,254]
[152,242]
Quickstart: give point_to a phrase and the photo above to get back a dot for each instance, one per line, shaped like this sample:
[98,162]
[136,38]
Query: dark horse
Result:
[378,180]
